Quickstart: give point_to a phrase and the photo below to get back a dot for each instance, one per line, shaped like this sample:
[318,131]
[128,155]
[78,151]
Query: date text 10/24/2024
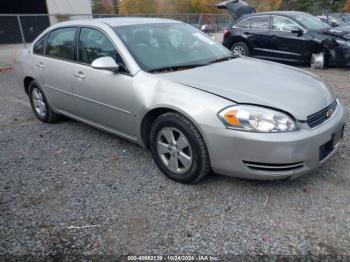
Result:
[173,258]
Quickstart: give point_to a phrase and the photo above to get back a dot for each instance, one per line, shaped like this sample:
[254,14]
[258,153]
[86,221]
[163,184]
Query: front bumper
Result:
[340,56]
[269,156]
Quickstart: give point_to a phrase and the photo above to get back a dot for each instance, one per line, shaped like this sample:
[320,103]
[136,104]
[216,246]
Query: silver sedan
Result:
[168,87]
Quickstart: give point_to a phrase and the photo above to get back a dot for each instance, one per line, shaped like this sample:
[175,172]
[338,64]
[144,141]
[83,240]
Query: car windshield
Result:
[332,21]
[311,22]
[170,46]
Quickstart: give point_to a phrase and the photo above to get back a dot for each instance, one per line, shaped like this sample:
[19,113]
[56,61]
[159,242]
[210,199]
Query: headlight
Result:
[256,119]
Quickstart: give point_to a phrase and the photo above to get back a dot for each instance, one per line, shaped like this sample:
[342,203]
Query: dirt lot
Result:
[67,188]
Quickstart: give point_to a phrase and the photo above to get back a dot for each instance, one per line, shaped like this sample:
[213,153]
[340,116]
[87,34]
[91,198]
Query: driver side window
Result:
[283,24]
[94,44]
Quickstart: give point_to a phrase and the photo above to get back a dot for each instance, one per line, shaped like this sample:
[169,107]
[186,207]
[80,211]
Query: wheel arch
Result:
[325,47]
[26,83]
[151,115]
[238,39]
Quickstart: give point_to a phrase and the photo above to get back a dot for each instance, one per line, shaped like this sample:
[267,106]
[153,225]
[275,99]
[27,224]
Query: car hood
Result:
[342,32]
[252,81]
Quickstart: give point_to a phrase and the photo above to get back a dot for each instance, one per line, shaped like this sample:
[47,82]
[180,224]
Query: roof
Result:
[120,21]
[286,13]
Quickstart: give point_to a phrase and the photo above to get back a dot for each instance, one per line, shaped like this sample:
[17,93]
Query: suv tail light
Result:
[226,32]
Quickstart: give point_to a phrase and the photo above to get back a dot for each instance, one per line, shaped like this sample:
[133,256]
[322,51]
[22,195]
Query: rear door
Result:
[256,30]
[103,97]
[286,45]
[56,66]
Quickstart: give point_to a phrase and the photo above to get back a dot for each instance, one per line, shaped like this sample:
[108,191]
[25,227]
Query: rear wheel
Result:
[240,49]
[178,149]
[318,61]
[40,106]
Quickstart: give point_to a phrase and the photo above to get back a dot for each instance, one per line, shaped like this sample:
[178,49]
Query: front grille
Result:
[326,149]
[320,117]
[266,167]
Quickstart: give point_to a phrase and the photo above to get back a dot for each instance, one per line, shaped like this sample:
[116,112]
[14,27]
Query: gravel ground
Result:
[69,189]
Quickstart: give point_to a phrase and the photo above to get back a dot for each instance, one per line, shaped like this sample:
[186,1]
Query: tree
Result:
[266,5]
[347,6]
[128,7]
[313,6]
[104,6]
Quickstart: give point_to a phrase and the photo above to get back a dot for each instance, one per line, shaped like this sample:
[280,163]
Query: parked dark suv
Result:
[290,37]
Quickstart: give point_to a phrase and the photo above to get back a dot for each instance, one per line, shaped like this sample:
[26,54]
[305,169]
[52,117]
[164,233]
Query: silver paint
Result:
[118,103]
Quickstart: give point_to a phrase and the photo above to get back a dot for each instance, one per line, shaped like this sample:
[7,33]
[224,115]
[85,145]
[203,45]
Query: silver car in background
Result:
[168,87]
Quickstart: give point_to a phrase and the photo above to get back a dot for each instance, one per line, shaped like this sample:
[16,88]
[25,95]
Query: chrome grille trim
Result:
[267,167]
[320,117]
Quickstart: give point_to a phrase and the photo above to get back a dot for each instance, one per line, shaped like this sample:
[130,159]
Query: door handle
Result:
[80,75]
[247,33]
[41,65]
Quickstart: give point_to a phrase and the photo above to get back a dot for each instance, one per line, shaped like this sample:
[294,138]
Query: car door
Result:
[103,97]
[287,45]
[55,68]
[256,30]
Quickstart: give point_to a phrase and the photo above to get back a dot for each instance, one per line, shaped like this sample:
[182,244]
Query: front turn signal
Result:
[231,117]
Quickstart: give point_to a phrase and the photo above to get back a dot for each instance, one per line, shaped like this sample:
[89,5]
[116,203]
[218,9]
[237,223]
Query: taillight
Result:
[226,32]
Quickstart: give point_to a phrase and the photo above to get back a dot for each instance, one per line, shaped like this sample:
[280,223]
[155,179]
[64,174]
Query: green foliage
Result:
[347,6]
[313,6]
[105,6]
[126,7]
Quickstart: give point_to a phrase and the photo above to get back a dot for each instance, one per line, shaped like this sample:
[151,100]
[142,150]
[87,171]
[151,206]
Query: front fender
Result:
[200,107]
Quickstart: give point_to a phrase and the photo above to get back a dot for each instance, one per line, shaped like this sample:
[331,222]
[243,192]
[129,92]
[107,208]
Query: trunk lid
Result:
[236,8]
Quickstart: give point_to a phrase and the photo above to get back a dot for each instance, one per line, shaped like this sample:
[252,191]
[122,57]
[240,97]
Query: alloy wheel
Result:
[39,103]
[239,50]
[174,150]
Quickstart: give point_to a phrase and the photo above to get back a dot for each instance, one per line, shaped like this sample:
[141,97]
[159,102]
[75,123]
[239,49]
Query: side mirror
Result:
[297,31]
[105,63]
[205,28]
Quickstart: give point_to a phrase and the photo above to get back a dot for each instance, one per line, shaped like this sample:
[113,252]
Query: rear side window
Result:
[94,44]
[257,22]
[61,43]
[244,24]
[39,46]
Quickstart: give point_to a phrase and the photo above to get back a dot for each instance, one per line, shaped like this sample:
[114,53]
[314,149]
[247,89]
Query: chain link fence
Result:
[18,31]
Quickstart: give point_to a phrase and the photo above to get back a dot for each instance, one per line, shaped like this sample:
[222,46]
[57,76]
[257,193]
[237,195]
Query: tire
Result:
[187,145]
[318,61]
[240,49]
[40,105]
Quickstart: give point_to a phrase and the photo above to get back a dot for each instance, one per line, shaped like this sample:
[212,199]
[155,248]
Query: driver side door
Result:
[103,98]
[287,46]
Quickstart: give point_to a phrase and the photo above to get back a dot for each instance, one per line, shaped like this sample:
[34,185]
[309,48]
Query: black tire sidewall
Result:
[32,86]
[192,175]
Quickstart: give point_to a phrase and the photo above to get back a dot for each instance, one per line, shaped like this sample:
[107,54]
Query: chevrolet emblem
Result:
[329,113]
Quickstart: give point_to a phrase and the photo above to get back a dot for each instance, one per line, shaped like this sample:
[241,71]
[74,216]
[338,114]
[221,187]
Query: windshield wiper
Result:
[222,59]
[189,66]
[174,68]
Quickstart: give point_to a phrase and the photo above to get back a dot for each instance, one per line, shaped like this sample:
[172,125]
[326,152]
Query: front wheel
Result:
[240,49]
[178,149]
[318,61]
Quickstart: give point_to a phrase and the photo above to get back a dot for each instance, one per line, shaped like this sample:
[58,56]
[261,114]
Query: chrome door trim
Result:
[91,123]
[277,51]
